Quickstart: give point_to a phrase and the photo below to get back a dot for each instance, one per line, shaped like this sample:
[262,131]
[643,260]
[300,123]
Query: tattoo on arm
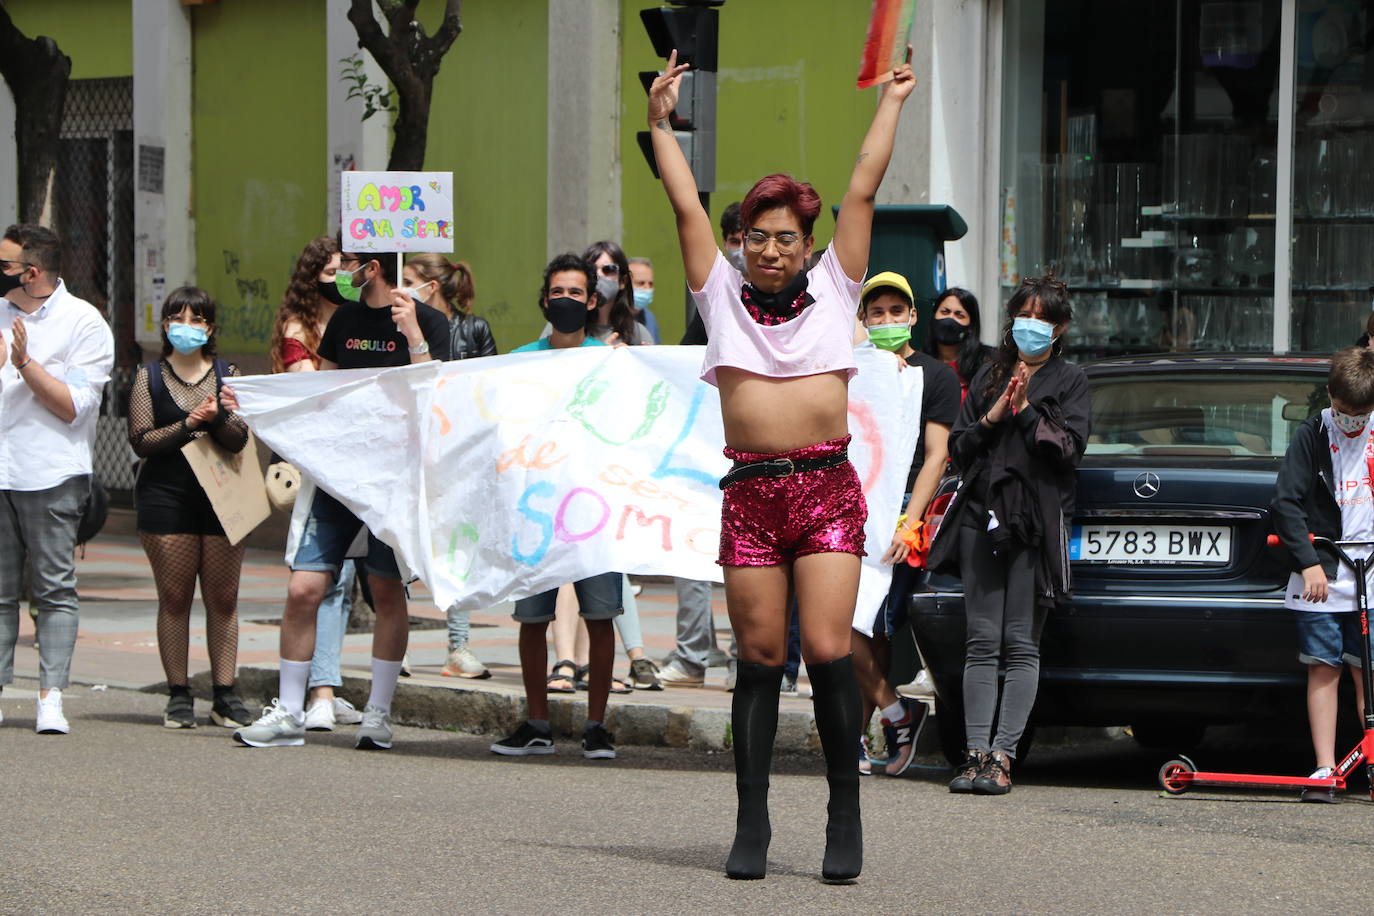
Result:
[664,126]
[862,157]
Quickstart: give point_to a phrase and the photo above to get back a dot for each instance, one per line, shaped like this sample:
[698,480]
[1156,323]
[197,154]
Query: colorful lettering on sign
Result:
[559,521]
[541,458]
[467,532]
[370,229]
[644,522]
[590,390]
[542,519]
[873,438]
[415,228]
[392,198]
[664,469]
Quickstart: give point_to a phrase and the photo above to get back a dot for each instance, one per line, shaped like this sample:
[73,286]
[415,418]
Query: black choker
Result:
[776,308]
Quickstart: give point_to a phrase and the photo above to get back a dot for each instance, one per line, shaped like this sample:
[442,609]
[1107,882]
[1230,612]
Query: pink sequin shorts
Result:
[765,521]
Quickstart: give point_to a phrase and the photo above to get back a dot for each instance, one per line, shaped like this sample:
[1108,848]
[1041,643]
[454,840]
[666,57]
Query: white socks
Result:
[894,713]
[291,686]
[384,677]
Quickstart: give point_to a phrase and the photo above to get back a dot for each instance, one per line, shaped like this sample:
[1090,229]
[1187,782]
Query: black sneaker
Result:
[525,742]
[230,712]
[964,774]
[181,712]
[901,736]
[597,743]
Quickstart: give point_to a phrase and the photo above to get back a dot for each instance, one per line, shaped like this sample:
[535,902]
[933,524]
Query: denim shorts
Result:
[598,598]
[1326,638]
[329,531]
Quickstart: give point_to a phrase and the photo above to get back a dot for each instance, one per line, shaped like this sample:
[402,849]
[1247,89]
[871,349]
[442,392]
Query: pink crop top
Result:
[820,339]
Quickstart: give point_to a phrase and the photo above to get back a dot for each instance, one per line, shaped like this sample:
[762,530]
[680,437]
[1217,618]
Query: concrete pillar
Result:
[353,142]
[164,232]
[584,124]
[9,159]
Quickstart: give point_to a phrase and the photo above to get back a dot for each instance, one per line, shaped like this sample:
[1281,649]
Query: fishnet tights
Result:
[177,560]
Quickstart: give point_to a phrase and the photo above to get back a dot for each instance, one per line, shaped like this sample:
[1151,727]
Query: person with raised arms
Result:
[792,519]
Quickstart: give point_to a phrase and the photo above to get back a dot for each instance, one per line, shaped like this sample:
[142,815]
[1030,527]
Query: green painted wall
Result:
[786,102]
[96,34]
[488,125]
[258,131]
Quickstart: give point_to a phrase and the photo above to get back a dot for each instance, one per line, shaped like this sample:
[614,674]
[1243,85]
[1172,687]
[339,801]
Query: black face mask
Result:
[329,292]
[949,331]
[10,282]
[567,315]
[780,307]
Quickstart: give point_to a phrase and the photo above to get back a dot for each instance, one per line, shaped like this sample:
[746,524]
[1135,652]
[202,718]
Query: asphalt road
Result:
[124,816]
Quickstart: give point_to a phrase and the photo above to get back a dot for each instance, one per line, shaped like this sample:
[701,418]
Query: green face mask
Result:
[344,281]
[890,336]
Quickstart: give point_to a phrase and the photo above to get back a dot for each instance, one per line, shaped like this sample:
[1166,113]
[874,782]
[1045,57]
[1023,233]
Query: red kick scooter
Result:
[1178,776]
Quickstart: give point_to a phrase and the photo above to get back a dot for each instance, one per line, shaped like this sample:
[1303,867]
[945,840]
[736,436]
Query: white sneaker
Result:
[674,675]
[922,688]
[462,663]
[276,727]
[1326,796]
[375,732]
[319,715]
[345,713]
[50,718]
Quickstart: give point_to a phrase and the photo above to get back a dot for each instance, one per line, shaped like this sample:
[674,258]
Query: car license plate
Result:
[1153,544]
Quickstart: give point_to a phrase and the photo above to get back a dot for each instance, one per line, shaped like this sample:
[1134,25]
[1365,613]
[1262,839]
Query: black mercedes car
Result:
[1177,619]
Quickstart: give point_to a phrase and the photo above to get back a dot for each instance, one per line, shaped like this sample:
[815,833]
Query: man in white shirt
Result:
[56,353]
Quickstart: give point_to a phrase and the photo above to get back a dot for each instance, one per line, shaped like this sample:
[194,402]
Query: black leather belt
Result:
[781,467]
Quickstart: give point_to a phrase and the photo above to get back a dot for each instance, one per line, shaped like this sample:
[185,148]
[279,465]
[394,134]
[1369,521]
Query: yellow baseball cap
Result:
[887,278]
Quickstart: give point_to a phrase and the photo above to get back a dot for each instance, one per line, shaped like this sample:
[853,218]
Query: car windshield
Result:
[1200,414]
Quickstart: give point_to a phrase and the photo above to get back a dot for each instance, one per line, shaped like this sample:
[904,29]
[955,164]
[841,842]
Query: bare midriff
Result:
[765,414]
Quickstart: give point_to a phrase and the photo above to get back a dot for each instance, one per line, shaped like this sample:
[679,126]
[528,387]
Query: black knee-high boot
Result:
[835,695]
[754,724]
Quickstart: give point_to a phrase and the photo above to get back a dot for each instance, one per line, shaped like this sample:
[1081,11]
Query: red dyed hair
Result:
[774,191]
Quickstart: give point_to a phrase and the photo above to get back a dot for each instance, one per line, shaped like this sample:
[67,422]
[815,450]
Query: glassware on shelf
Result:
[1197,262]
[1314,195]
[1250,251]
[1264,177]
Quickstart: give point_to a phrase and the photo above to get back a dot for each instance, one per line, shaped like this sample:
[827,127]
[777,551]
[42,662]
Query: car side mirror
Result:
[1295,412]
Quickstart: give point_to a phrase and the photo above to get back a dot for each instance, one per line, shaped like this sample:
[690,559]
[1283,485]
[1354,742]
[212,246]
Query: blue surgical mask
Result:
[644,298]
[1032,336]
[186,338]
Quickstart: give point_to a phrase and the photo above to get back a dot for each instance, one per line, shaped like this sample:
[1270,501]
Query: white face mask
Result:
[1349,423]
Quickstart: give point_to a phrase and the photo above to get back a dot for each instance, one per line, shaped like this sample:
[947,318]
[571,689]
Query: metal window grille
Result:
[93,213]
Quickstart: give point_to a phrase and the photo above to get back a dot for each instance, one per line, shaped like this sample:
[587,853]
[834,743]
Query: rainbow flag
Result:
[889,33]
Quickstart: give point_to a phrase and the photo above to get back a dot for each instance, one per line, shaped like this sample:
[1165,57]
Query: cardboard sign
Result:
[889,33]
[234,484]
[396,211]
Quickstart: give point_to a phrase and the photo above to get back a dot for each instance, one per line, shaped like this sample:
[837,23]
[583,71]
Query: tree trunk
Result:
[410,59]
[36,71]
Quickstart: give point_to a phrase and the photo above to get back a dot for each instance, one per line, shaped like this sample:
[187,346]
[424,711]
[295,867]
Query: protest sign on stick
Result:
[396,211]
[885,48]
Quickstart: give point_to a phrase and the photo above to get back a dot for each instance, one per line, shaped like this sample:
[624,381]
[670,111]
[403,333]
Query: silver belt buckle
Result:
[791,466]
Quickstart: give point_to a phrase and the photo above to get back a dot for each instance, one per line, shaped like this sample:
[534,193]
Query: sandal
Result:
[570,680]
[617,685]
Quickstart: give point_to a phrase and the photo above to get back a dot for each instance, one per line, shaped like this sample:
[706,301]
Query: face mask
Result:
[344,281]
[644,298]
[1032,336]
[1349,423]
[948,331]
[329,292]
[889,336]
[607,288]
[416,293]
[10,282]
[567,315]
[736,258]
[185,338]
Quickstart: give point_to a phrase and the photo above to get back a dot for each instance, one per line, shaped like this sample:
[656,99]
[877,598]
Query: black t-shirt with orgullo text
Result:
[361,337]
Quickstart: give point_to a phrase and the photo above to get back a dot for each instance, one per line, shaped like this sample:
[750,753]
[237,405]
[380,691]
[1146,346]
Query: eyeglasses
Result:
[4,263]
[757,240]
[610,270]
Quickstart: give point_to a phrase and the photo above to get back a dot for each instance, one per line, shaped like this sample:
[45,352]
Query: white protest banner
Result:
[233,482]
[396,211]
[502,477]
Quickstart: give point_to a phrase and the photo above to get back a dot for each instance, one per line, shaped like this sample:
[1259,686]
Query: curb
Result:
[498,711]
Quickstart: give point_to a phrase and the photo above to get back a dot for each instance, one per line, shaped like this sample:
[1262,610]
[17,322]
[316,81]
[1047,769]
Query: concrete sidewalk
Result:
[117,646]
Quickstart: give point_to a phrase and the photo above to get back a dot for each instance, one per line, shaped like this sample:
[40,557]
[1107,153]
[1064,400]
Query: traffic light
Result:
[692,29]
